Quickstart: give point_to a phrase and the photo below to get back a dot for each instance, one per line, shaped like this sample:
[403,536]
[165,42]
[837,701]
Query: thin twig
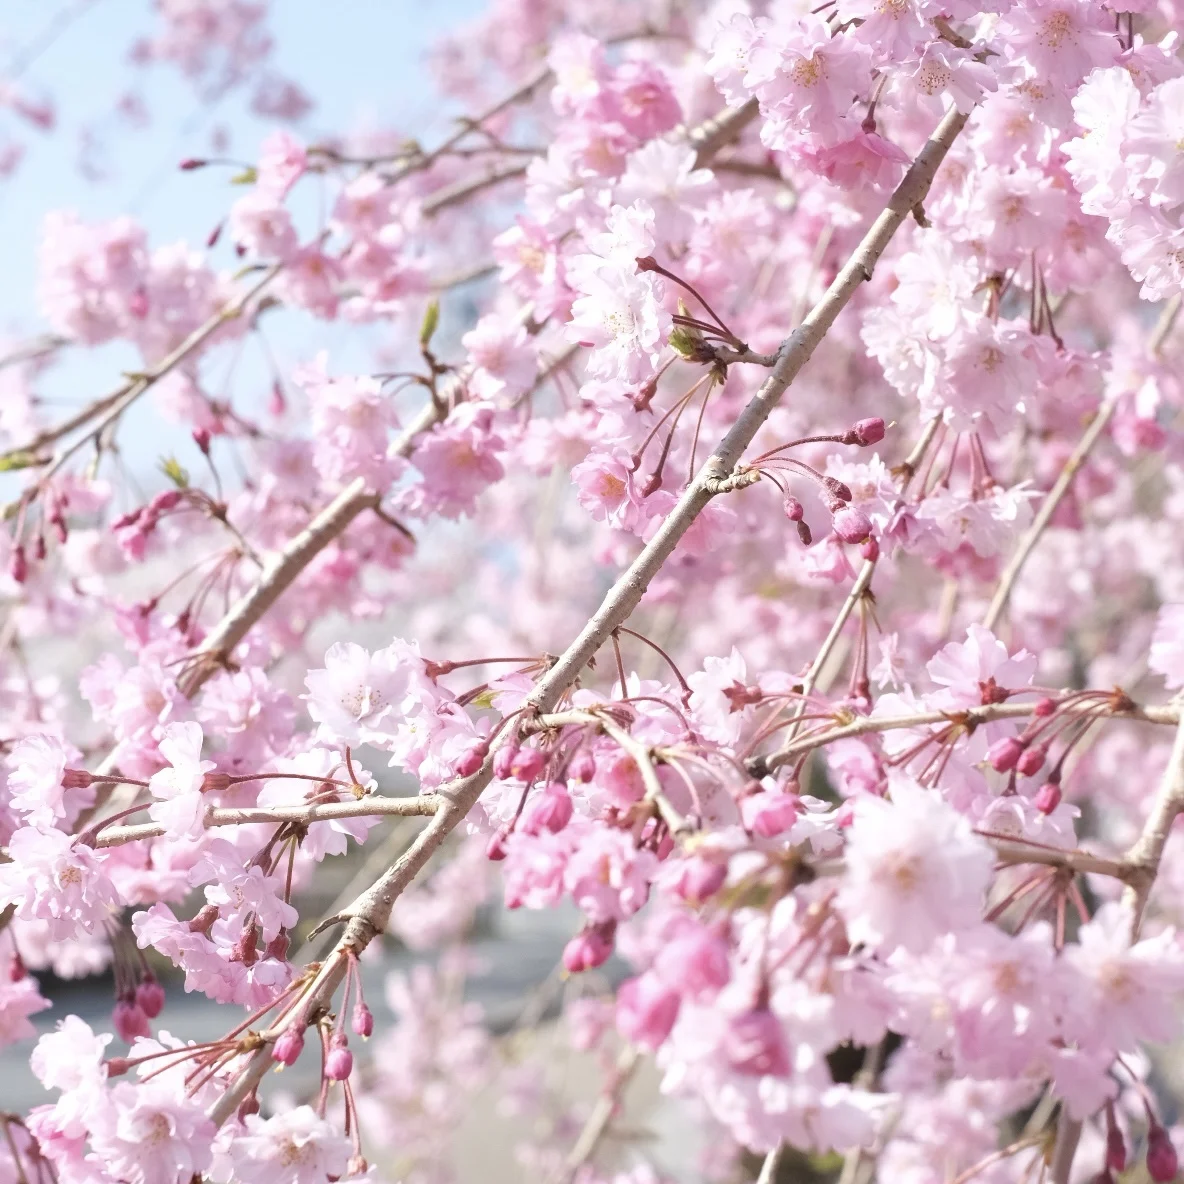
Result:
[1066,476]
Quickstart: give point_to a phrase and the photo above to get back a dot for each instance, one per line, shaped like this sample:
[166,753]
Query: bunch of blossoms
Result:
[861,764]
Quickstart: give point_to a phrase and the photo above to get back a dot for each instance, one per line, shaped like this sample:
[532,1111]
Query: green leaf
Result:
[431,318]
[246,177]
[174,472]
[485,699]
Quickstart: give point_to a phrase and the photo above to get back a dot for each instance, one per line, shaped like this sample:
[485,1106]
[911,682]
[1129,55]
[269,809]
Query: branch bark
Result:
[369,914]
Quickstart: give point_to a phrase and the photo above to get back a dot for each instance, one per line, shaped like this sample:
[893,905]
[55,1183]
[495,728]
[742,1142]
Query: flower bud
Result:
[1162,1162]
[837,489]
[204,920]
[550,810]
[1045,707]
[852,525]
[755,1044]
[582,767]
[699,879]
[804,535]
[869,431]
[289,1046]
[117,1066]
[1003,754]
[129,1020]
[870,549]
[589,949]
[165,500]
[16,969]
[201,437]
[770,813]
[469,762]
[1031,760]
[495,849]
[77,779]
[190,163]
[1115,1144]
[527,764]
[277,948]
[1048,797]
[646,1011]
[794,510]
[503,761]
[18,565]
[362,1020]
[339,1064]
[150,997]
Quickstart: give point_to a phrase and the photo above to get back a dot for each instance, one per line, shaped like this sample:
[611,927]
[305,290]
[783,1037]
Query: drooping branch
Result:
[369,914]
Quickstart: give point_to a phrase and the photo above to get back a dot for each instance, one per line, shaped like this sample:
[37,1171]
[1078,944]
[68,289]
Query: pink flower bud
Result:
[76,779]
[527,764]
[289,1046]
[339,1064]
[1162,1162]
[794,510]
[589,949]
[129,1020]
[277,948]
[246,950]
[16,969]
[646,1011]
[204,920]
[495,849]
[1048,797]
[190,163]
[870,549]
[869,431]
[696,964]
[769,813]
[362,1020]
[503,761]
[165,500]
[755,1044]
[550,810]
[837,489]
[1044,708]
[18,565]
[215,234]
[469,762]
[150,997]
[1115,1144]
[699,879]
[1031,760]
[852,525]
[1003,754]
[201,437]
[582,767]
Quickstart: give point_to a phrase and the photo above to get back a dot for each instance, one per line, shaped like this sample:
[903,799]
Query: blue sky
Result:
[363,63]
[361,60]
